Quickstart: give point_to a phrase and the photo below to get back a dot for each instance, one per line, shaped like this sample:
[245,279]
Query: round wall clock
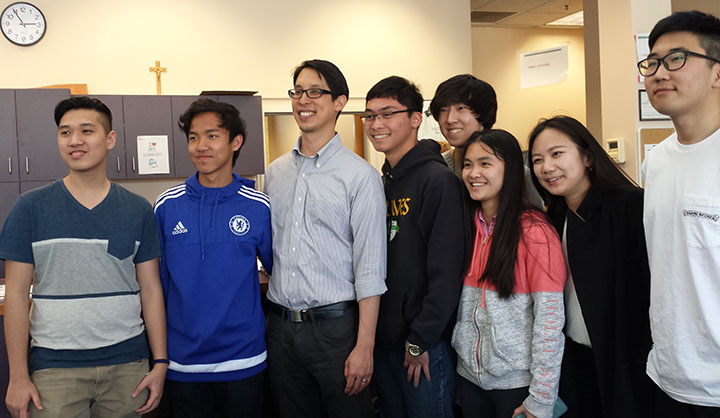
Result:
[22,24]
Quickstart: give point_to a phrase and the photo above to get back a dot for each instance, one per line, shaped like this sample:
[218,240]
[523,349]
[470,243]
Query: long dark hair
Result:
[500,270]
[603,173]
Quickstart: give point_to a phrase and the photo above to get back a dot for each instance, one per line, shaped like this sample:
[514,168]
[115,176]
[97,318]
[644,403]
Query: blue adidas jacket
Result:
[210,240]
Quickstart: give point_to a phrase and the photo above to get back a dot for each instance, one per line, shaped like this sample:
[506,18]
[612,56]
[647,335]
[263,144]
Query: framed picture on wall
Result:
[647,112]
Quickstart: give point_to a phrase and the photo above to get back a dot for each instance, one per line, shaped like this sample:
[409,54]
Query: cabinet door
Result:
[115,169]
[183,166]
[146,115]
[251,160]
[8,137]
[37,134]
[9,193]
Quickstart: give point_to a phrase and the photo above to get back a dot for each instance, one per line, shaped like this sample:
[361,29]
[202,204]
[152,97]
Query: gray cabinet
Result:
[146,115]
[251,160]
[8,137]
[37,134]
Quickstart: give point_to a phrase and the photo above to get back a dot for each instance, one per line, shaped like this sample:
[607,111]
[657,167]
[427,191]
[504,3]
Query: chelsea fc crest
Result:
[239,225]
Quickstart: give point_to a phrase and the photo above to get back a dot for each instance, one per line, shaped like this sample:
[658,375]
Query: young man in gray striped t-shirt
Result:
[92,249]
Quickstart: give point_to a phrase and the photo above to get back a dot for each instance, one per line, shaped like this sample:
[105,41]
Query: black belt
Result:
[319,313]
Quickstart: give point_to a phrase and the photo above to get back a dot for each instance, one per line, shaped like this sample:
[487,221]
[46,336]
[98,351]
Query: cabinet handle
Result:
[118,164]
[10,165]
[27,165]
[133,161]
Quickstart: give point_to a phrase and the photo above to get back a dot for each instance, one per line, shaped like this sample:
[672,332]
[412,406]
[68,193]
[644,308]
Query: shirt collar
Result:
[324,153]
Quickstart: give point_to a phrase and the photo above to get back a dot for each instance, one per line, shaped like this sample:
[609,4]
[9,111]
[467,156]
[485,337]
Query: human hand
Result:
[154,383]
[19,395]
[358,370]
[417,365]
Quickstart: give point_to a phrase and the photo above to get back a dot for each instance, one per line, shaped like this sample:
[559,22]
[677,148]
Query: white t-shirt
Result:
[682,227]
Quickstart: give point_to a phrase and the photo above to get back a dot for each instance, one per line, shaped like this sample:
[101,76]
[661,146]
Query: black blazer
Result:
[609,264]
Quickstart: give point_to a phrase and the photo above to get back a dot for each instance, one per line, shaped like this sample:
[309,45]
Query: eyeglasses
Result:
[672,62]
[311,93]
[367,118]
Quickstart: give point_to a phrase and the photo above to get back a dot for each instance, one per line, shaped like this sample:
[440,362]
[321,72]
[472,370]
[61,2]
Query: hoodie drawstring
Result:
[202,243]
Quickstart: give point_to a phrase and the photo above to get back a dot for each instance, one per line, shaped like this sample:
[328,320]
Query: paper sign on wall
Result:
[153,155]
[540,68]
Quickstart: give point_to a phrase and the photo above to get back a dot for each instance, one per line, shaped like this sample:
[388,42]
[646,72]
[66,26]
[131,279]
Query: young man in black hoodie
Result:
[414,363]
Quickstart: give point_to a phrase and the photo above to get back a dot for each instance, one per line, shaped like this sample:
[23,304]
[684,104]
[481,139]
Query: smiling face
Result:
[211,149]
[394,136]
[457,122]
[688,90]
[483,174]
[316,115]
[560,167]
[83,142]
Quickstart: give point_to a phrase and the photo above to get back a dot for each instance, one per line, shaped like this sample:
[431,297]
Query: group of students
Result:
[444,282]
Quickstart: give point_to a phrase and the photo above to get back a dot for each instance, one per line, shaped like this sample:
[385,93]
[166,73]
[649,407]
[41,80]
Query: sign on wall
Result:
[153,155]
[543,67]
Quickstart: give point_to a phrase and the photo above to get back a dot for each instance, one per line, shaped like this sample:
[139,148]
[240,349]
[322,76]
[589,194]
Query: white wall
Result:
[239,45]
[496,54]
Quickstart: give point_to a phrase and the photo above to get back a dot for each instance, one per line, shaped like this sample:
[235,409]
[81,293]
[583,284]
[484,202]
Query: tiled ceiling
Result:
[521,13]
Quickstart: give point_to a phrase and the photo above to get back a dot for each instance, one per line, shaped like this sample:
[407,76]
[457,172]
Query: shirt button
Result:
[303,174]
[317,165]
[293,248]
[296,224]
[293,274]
[299,199]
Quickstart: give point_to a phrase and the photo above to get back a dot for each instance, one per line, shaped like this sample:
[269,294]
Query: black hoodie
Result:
[426,248]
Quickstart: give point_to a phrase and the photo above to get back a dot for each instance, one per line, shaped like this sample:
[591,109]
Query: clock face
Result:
[22,24]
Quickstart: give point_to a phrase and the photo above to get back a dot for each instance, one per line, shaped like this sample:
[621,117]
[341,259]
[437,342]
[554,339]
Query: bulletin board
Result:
[652,136]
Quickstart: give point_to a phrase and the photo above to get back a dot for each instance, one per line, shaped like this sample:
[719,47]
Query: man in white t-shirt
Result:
[682,215]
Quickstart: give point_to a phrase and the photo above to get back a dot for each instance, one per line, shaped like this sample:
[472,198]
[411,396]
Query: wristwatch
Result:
[413,349]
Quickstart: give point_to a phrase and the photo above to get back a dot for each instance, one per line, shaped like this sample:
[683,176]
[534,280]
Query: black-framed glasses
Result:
[313,93]
[672,62]
[385,115]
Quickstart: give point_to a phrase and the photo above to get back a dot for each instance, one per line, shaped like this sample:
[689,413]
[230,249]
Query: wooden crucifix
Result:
[157,69]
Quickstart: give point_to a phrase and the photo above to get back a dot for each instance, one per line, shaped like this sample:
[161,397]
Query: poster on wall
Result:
[153,155]
[429,127]
[647,111]
[642,48]
[543,67]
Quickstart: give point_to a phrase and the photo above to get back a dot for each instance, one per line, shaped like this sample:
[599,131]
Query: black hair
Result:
[603,172]
[705,26]
[84,102]
[400,89]
[500,270]
[329,72]
[229,119]
[471,91]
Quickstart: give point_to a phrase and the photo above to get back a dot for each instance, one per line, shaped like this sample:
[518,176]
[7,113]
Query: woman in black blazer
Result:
[598,212]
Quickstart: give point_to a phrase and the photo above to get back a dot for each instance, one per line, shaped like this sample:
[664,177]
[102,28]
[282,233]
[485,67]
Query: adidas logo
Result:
[179,229]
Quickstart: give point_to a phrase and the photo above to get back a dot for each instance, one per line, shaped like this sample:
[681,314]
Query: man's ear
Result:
[237,142]
[111,140]
[716,76]
[340,103]
[415,119]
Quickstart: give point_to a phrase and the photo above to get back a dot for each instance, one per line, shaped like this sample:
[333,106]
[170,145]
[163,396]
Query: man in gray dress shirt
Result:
[329,249]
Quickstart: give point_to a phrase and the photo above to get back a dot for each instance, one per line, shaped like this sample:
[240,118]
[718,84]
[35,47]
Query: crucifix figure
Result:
[157,69]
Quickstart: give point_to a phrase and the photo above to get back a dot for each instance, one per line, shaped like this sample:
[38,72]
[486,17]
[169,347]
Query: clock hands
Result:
[18,16]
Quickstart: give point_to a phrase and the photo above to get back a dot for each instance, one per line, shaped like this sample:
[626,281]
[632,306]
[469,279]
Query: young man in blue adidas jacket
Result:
[213,227]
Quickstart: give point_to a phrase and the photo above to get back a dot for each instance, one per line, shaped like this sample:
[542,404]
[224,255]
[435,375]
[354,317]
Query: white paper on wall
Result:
[543,67]
[153,155]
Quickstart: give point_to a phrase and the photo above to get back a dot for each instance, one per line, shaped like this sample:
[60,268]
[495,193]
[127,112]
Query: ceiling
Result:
[521,13]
